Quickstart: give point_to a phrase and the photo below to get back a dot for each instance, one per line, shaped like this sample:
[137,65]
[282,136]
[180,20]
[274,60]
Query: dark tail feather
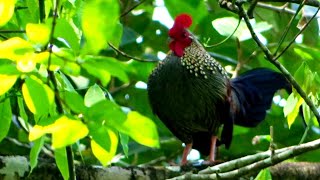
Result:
[252,94]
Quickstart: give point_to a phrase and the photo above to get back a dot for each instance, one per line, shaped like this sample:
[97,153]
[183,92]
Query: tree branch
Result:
[271,59]
[276,8]
[51,77]
[12,31]
[129,56]
[314,3]
[293,39]
[132,8]
[245,165]
[289,25]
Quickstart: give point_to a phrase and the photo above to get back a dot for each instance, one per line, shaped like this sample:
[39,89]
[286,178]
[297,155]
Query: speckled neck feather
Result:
[199,62]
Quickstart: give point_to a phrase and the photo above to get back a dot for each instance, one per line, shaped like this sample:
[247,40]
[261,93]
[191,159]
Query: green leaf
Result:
[9,69]
[117,34]
[304,77]
[93,95]
[100,135]
[103,155]
[264,175]
[306,113]
[62,162]
[290,105]
[33,11]
[102,67]
[37,95]
[5,117]
[61,58]
[226,25]
[106,111]
[98,25]
[124,140]
[65,131]
[22,112]
[139,71]
[38,34]
[134,125]
[97,71]
[64,83]
[34,153]
[64,30]
[6,82]
[6,11]
[141,129]
[74,101]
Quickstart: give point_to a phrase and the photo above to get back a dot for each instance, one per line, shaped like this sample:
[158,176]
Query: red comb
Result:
[183,20]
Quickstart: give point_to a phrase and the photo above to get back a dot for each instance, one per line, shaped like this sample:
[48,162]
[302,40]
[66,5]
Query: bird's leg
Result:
[185,154]
[213,149]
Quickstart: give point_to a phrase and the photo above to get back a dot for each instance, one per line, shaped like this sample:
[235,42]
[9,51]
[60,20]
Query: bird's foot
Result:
[199,165]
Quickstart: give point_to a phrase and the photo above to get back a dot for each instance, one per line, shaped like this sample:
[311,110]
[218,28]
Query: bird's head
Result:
[179,34]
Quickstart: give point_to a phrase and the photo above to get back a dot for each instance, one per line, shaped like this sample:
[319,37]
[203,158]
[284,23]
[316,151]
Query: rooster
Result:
[193,96]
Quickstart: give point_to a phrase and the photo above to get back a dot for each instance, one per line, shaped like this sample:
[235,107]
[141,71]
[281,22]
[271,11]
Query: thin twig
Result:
[3,37]
[12,31]
[289,25]
[229,5]
[271,147]
[20,7]
[253,4]
[129,56]
[293,39]
[71,167]
[284,71]
[227,38]
[276,8]
[240,59]
[132,8]
[42,13]
[314,3]
[54,22]
[305,134]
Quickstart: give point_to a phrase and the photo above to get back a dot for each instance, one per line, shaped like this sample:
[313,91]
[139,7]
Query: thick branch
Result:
[252,167]
[17,167]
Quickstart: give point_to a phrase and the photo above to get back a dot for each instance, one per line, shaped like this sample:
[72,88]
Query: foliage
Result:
[59,76]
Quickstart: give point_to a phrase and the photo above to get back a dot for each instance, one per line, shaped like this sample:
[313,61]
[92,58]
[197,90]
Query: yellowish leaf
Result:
[15,49]
[38,96]
[293,115]
[38,33]
[65,131]
[141,129]
[28,99]
[103,155]
[36,132]
[6,82]
[6,11]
